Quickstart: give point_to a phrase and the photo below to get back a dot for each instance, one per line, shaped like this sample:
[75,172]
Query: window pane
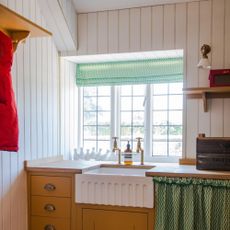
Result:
[175,102]
[89,144]
[89,132]
[175,88]
[138,132]
[159,89]
[160,148]
[89,118]
[175,133]
[103,132]
[126,90]
[160,102]
[126,118]
[103,103]
[103,118]
[90,103]
[104,145]
[90,91]
[138,118]
[126,103]
[97,115]
[160,118]
[139,90]
[104,91]
[138,103]
[175,118]
[160,132]
[175,148]
[126,133]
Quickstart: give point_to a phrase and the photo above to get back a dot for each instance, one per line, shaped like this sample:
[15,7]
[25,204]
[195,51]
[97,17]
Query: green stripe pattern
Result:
[192,204]
[149,71]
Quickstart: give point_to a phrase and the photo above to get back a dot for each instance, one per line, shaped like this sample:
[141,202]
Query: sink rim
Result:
[118,171]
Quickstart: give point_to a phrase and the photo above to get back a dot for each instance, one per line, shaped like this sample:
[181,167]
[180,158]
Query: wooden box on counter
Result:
[213,153]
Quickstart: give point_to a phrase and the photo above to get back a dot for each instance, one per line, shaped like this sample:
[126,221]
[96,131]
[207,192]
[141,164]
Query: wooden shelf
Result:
[11,21]
[207,93]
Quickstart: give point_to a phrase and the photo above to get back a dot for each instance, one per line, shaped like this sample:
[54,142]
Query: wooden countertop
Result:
[176,170]
[158,169]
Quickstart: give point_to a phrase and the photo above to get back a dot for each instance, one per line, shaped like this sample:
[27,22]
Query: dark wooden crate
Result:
[213,153]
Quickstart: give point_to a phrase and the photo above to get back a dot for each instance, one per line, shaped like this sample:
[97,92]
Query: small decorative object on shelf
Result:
[219,77]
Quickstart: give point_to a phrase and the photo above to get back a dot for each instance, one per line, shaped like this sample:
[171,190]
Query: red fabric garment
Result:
[8,111]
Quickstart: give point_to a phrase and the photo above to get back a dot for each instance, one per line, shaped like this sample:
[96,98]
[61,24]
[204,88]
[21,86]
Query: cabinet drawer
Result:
[45,223]
[51,186]
[50,206]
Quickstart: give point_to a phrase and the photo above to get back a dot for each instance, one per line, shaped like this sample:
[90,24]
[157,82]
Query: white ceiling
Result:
[84,6]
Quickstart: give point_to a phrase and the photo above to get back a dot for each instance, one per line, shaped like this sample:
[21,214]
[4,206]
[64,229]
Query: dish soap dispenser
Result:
[128,155]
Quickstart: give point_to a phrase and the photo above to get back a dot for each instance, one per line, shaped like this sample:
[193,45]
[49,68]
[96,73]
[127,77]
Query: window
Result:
[121,111]
[129,96]
[167,119]
[96,117]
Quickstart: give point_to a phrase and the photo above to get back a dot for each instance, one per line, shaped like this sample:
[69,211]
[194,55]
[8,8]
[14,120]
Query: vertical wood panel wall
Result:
[173,26]
[35,76]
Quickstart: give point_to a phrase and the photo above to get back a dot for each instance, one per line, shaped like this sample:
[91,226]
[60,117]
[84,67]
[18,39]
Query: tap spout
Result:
[140,150]
[116,149]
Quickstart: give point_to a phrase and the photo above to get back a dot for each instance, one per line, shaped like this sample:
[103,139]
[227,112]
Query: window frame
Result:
[115,123]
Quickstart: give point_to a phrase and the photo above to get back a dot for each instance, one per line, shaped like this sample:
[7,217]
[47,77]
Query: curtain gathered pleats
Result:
[192,204]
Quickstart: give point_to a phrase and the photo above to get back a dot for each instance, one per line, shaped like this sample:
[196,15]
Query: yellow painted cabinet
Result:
[51,201]
[114,220]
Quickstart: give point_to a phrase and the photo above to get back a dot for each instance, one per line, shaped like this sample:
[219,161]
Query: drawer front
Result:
[45,223]
[51,186]
[51,206]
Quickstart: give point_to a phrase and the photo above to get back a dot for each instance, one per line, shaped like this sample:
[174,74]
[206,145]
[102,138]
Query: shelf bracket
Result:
[205,102]
[17,37]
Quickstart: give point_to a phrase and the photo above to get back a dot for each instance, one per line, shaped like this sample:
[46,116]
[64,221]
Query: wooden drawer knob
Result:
[49,208]
[49,227]
[49,187]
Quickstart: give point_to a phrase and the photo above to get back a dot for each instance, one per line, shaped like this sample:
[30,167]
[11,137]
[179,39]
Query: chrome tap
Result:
[116,149]
[140,150]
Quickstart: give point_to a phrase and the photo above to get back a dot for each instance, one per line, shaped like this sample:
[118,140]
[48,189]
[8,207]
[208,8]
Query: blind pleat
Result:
[130,72]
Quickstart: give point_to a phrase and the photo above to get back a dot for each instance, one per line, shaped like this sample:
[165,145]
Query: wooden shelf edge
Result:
[206,93]
[223,89]
[12,21]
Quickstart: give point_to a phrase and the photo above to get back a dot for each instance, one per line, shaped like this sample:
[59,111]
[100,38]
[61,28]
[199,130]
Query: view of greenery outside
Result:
[167,107]
[166,112]
[131,114]
[97,117]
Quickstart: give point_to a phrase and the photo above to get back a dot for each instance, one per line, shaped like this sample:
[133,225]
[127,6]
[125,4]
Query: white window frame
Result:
[115,124]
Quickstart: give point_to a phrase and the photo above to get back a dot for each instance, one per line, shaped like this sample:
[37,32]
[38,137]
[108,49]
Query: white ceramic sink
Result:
[115,186]
[118,171]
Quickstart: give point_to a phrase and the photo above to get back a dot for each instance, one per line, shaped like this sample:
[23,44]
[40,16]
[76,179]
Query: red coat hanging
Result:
[8,111]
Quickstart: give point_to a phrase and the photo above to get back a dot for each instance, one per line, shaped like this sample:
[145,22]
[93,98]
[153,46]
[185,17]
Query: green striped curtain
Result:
[192,204]
[148,71]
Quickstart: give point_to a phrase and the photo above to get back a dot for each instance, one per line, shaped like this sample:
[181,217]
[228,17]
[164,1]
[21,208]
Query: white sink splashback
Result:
[112,186]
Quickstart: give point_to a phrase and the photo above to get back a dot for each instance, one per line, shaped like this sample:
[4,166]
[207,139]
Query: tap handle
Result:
[115,146]
[139,144]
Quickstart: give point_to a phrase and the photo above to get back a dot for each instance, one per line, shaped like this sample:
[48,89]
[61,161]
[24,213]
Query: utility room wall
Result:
[184,26]
[35,76]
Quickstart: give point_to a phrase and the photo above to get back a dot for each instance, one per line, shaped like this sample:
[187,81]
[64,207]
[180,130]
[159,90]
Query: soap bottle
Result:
[128,155]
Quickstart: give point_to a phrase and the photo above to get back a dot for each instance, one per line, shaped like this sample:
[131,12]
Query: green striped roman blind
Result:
[148,71]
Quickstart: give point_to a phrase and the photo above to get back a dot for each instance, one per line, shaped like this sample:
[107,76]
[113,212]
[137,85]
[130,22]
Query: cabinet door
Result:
[114,220]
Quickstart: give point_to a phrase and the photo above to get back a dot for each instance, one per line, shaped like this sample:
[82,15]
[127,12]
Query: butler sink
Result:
[115,186]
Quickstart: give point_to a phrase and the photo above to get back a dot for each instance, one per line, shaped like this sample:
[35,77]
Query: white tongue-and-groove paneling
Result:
[35,74]
[172,26]
[62,22]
